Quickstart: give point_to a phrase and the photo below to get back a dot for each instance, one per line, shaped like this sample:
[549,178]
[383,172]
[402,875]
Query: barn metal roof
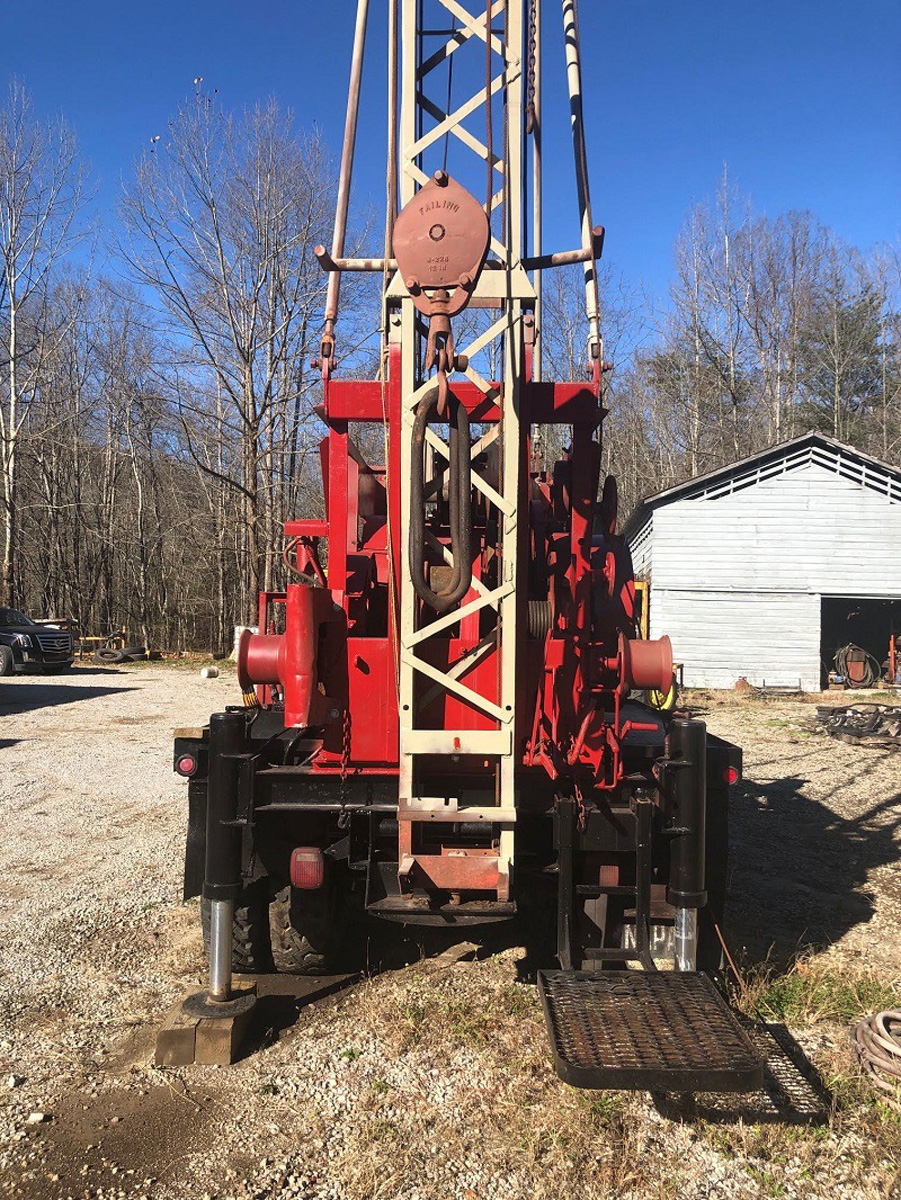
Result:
[871,471]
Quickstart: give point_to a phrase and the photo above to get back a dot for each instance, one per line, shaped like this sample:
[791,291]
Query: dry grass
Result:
[433,1082]
[517,1128]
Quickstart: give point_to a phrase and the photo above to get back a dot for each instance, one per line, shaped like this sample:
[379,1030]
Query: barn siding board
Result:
[739,559]
[641,546]
[767,637]
[809,524]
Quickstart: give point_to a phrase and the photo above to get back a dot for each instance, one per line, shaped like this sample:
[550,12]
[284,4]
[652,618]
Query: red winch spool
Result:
[291,658]
[647,665]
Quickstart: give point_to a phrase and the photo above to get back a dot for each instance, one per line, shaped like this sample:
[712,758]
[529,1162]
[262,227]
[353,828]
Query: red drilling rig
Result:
[443,719]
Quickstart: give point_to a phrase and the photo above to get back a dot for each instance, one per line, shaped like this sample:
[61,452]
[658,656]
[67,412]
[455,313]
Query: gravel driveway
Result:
[429,1081]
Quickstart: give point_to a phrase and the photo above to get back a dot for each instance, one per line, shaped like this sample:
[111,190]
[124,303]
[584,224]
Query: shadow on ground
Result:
[24,696]
[798,870]
[375,946]
[793,1092]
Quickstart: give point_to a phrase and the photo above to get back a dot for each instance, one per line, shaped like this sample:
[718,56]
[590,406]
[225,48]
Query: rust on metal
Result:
[440,243]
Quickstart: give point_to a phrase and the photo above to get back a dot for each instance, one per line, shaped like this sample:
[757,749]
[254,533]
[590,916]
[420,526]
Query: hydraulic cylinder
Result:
[222,879]
[687,744]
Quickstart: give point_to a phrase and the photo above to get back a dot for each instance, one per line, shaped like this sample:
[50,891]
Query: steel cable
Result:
[489,115]
[877,1041]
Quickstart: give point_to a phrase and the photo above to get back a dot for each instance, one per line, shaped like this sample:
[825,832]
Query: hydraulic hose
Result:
[870,670]
[877,1041]
[459,503]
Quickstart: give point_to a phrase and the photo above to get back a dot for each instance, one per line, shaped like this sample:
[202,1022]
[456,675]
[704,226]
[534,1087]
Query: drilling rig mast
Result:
[445,720]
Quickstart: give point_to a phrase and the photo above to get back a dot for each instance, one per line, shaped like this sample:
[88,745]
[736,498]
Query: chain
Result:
[580,805]
[531,115]
[345,759]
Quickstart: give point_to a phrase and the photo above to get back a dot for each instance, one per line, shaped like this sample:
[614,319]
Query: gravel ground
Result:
[428,1081]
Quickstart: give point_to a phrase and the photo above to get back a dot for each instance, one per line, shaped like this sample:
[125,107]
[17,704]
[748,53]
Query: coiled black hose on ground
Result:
[459,503]
[870,675]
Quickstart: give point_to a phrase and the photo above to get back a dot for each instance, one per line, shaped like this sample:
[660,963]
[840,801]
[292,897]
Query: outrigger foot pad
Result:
[205,1031]
[205,1007]
[667,1031]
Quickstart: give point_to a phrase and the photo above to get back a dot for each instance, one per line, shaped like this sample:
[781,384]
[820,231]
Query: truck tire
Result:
[251,944]
[6,660]
[303,931]
[107,656]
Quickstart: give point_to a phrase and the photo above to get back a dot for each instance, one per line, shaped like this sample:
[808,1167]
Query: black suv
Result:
[25,643]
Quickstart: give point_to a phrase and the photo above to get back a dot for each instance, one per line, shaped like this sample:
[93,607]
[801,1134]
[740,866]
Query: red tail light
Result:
[307,868]
[186,765]
[731,775]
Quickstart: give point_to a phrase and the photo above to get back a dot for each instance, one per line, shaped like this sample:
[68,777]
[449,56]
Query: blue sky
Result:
[802,99]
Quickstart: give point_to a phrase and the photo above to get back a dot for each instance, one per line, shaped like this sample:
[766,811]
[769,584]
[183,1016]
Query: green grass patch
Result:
[808,994]
[464,1020]
[602,1107]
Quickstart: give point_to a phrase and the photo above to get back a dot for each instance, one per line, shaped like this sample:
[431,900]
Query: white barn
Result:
[764,568]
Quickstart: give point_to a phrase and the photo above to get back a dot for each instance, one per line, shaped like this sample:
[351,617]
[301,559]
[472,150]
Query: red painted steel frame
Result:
[573,682]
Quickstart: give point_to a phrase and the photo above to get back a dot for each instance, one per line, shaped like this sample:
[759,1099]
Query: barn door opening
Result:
[861,621]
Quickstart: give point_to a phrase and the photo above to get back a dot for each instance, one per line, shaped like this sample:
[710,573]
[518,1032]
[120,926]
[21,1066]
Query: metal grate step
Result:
[647,1030]
[792,1092]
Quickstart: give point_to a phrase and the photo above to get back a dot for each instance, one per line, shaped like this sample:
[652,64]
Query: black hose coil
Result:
[460,504]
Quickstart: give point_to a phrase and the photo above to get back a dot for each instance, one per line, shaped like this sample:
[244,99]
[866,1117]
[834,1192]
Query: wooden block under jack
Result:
[175,1041]
[185,1039]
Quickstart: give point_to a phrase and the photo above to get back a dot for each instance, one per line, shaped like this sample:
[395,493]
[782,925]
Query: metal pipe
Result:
[574,81]
[687,770]
[328,263]
[566,833]
[392,123]
[347,163]
[222,871]
[565,258]
[686,939]
[222,915]
[537,194]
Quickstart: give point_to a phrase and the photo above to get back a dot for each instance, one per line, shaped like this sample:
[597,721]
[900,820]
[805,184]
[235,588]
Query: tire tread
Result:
[251,945]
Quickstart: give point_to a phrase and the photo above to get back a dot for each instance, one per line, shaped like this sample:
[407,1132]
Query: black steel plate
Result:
[646,1030]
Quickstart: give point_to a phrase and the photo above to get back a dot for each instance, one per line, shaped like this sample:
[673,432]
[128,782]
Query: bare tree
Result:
[884,272]
[841,369]
[221,220]
[41,196]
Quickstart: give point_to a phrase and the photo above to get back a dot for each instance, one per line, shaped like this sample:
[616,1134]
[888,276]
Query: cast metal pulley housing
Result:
[440,242]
